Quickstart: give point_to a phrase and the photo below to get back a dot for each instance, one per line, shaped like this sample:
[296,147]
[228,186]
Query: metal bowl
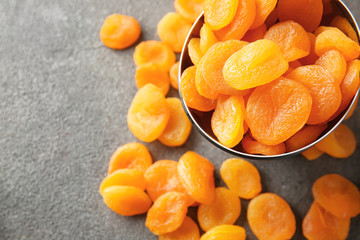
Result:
[201,120]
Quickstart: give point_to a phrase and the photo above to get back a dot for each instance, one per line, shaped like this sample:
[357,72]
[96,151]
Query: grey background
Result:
[63,104]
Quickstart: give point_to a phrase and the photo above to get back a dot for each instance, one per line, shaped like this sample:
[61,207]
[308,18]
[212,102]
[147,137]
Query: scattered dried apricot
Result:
[195,52]
[263,10]
[304,137]
[312,153]
[225,232]
[188,230]
[334,63]
[189,9]
[219,13]
[174,73]
[207,38]
[152,73]
[254,147]
[344,25]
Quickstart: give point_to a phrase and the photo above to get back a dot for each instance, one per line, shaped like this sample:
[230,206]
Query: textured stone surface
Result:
[63,104]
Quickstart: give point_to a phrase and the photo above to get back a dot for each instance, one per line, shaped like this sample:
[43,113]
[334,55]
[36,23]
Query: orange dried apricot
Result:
[195,52]
[123,177]
[308,13]
[270,217]
[254,147]
[120,31]
[334,39]
[178,128]
[334,63]
[219,13]
[189,9]
[167,213]
[244,17]
[320,224]
[196,175]
[225,209]
[227,121]
[255,34]
[130,155]
[263,10]
[312,57]
[291,38]
[207,38]
[173,30]
[188,230]
[352,110]
[174,73]
[344,25]
[148,113]
[337,195]
[152,73]
[248,69]
[341,143]
[190,94]
[292,66]
[126,200]
[272,18]
[154,52]
[325,92]
[312,153]
[278,110]
[202,84]
[322,29]
[210,71]
[304,137]
[241,177]
[225,232]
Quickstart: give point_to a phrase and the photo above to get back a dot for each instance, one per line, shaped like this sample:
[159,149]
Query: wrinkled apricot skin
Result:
[167,213]
[219,13]
[189,9]
[337,195]
[124,177]
[173,30]
[270,217]
[195,52]
[320,224]
[255,34]
[174,73]
[341,143]
[154,52]
[196,175]
[130,155]
[148,113]
[263,10]
[178,128]
[304,137]
[203,84]
[152,73]
[225,232]
[312,153]
[247,69]
[188,230]
[278,110]
[307,13]
[120,31]
[224,210]
[291,38]
[126,200]
[334,63]
[344,25]
[207,38]
[254,147]
[241,177]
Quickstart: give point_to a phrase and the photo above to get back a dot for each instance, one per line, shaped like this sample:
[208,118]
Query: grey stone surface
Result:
[63,104]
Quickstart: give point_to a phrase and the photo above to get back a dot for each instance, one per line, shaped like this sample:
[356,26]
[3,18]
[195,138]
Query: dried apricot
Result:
[255,34]
[312,57]
[320,224]
[325,92]
[292,66]
[225,209]
[308,13]
[304,137]
[344,25]
[188,230]
[225,232]
[190,94]
[207,38]
[167,213]
[352,110]
[173,30]
[248,69]
[337,195]
[189,9]
[333,39]
[270,217]
[174,73]
[278,110]
[154,52]
[291,38]
[196,174]
[241,177]
[195,52]
[152,73]
[312,153]
[341,143]
[322,29]
[244,17]
[124,177]
[130,155]
[254,147]
[148,113]
[202,84]
[263,10]
[219,13]
[227,121]
[334,63]
[120,31]
[126,200]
